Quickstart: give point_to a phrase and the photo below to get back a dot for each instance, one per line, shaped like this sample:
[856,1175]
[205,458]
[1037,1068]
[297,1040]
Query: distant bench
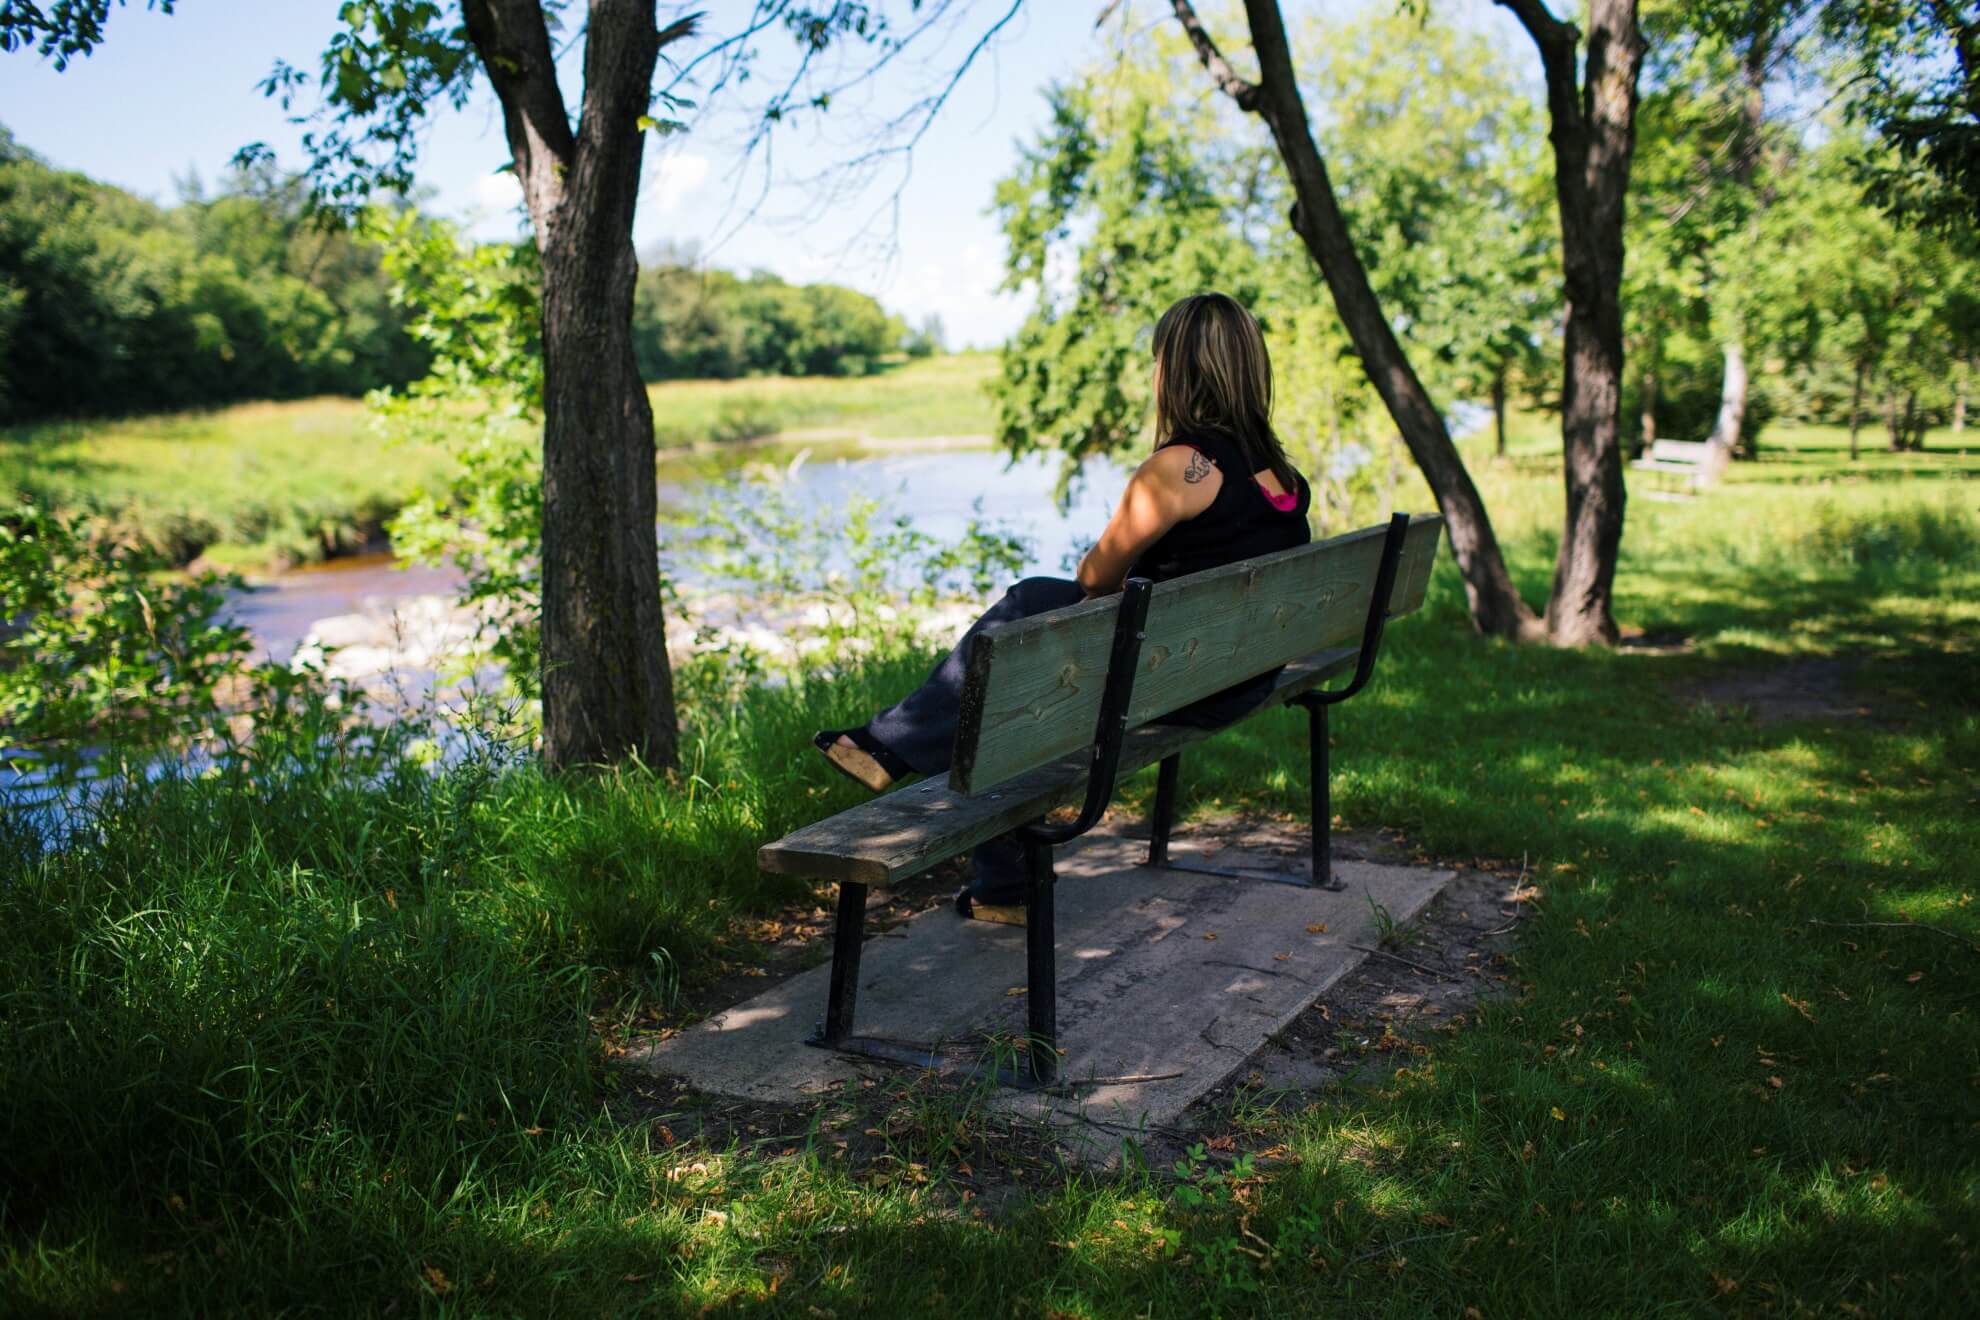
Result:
[1698,463]
[1068,699]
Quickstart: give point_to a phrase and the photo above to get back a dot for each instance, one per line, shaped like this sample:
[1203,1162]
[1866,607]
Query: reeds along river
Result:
[388,622]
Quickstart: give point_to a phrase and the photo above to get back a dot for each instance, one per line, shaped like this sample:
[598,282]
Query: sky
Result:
[166,96]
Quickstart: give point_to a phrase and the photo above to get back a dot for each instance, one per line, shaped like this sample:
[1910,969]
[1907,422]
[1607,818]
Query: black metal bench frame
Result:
[1041,1064]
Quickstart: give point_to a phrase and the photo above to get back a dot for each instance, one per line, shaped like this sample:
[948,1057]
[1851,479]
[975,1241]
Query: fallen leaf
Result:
[1281,957]
[1014,991]
[1317,928]
[1209,934]
[1915,977]
[1798,1005]
[1560,1115]
[438,1281]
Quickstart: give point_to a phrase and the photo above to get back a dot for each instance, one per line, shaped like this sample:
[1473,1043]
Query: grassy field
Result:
[941,396]
[249,485]
[341,1041]
[272,483]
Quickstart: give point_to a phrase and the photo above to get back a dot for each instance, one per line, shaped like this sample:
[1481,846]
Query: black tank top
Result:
[1240,523]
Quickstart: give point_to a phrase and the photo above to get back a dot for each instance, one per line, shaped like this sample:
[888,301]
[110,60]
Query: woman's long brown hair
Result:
[1215,375]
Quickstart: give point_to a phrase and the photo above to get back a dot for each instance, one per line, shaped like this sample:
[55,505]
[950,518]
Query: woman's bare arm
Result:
[1173,485]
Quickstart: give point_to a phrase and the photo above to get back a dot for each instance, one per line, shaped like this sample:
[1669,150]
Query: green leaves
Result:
[478,308]
[102,651]
[391,63]
[1141,190]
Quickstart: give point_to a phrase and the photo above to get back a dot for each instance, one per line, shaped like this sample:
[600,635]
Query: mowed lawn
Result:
[265,484]
[318,1046]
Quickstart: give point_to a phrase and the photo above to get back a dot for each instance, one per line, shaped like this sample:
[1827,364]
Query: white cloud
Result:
[498,192]
[676,178]
[962,290]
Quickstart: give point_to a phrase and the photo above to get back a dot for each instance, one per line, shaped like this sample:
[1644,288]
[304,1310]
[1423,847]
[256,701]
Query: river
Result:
[391,624]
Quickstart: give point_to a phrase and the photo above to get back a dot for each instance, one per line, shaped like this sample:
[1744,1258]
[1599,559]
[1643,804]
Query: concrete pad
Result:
[1168,981]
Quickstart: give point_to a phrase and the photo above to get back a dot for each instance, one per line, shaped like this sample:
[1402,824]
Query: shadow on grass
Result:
[333,1054]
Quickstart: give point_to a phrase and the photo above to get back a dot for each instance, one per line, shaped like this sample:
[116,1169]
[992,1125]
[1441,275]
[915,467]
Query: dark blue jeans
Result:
[921,727]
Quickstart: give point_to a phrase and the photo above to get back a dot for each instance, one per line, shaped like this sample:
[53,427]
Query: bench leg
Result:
[1165,810]
[847,931]
[1323,801]
[1041,977]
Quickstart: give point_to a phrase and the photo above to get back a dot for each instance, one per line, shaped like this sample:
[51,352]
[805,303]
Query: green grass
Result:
[307,1047]
[268,484]
[942,396]
[247,485]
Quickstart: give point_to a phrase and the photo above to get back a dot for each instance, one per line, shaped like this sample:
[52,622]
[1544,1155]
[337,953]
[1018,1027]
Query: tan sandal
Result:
[860,764]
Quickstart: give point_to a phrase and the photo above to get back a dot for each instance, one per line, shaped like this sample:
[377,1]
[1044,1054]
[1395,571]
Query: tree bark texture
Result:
[607,686]
[1593,131]
[1495,605]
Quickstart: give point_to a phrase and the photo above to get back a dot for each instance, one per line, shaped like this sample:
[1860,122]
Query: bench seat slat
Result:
[1033,693]
[904,832]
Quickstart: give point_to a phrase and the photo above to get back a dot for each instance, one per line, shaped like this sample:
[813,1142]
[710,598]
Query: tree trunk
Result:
[1727,429]
[1649,411]
[1732,402]
[1499,408]
[1593,131]
[1856,412]
[1316,217]
[1959,400]
[607,686]
[1895,436]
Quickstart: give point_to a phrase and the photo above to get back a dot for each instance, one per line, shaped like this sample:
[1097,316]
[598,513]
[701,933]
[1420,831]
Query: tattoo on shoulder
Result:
[1199,467]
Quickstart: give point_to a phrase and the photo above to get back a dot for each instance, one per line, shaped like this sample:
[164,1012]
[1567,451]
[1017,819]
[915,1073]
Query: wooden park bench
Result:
[1070,700]
[1695,463]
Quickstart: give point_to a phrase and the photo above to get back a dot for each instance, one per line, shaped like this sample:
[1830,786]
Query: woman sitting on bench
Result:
[1217,489]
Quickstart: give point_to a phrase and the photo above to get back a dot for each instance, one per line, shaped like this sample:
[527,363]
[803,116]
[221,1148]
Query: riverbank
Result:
[260,487]
[345,1041]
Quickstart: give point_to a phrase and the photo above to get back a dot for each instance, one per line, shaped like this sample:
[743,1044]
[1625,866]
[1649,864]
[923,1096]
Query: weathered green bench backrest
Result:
[1033,689]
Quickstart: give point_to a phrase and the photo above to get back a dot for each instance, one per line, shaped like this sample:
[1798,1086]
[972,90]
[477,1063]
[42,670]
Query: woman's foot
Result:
[998,884]
[861,757]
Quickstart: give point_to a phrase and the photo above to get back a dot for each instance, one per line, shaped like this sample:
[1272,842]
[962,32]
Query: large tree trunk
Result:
[1594,134]
[1495,605]
[1732,402]
[607,688]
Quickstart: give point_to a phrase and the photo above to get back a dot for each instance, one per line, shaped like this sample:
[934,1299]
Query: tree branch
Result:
[621,48]
[514,46]
[1244,93]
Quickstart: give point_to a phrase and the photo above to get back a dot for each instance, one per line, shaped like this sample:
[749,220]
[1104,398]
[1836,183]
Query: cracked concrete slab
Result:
[1169,980]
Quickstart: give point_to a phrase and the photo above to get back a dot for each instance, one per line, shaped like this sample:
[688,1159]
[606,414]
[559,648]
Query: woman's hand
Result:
[1174,485]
